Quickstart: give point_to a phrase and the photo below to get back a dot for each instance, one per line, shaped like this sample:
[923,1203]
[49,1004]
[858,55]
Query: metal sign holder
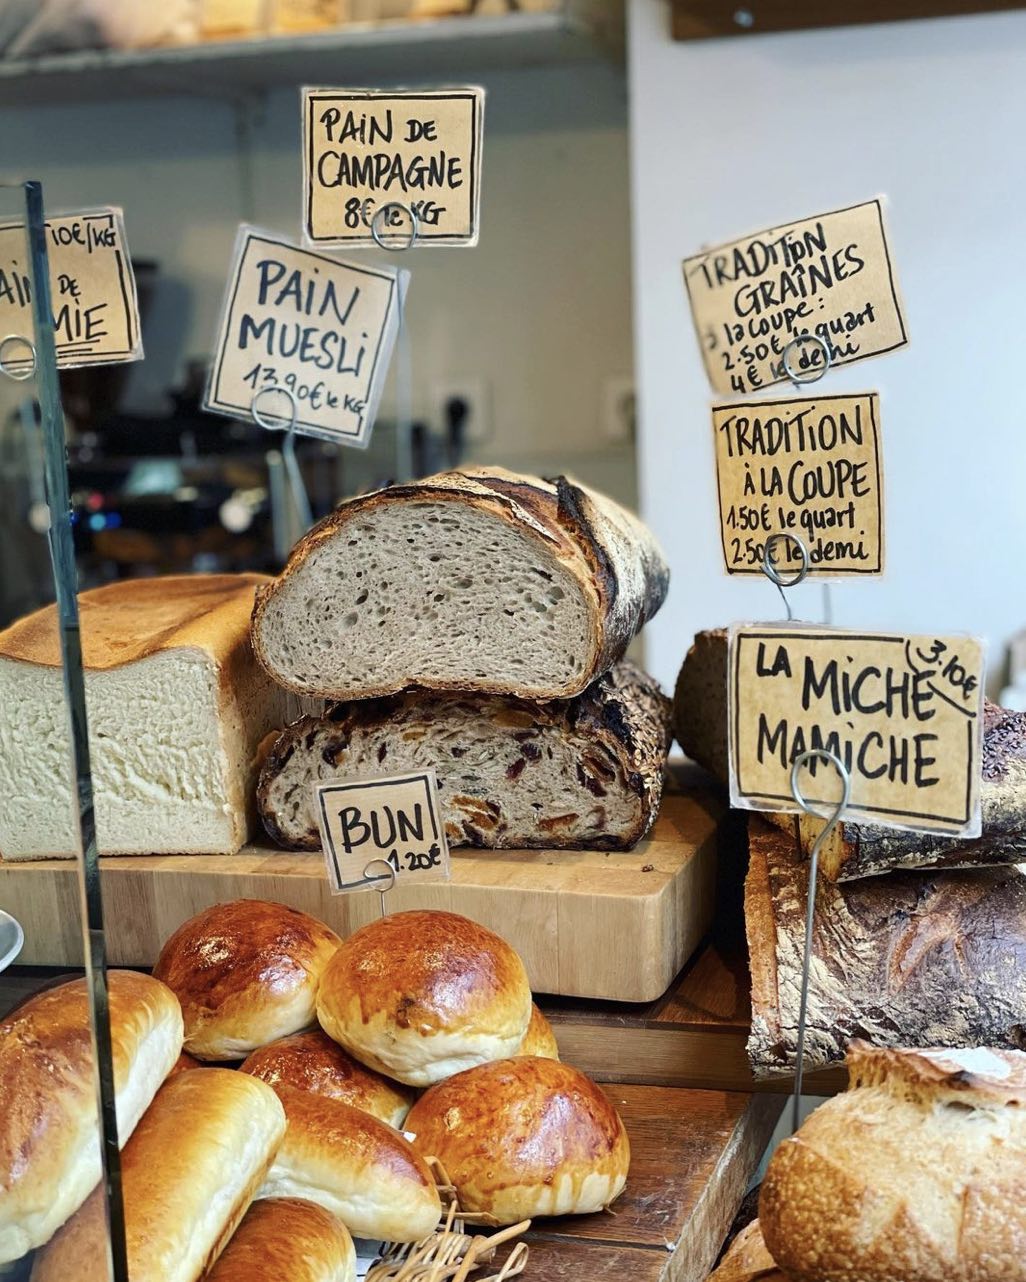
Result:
[403,354]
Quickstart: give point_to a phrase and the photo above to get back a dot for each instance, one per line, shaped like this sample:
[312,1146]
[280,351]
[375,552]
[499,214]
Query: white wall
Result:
[540,310]
[729,136]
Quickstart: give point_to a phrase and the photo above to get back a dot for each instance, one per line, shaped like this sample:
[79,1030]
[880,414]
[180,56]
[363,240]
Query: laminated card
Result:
[318,327]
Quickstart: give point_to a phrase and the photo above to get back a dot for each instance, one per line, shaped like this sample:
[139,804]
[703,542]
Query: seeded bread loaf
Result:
[579,773]
[177,707]
[917,1173]
[856,850]
[913,959]
[479,580]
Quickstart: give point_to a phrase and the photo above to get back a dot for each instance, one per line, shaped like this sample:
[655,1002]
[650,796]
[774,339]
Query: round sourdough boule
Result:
[524,1137]
[49,1131]
[286,1240]
[313,1062]
[917,1173]
[422,995]
[354,1166]
[245,973]
[539,1040]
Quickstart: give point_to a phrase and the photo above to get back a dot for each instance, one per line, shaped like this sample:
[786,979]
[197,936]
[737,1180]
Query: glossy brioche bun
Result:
[245,973]
[49,1137]
[313,1062]
[286,1240]
[422,995]
[354,1166]
[188,1174]
[539,1040]
[524,1137]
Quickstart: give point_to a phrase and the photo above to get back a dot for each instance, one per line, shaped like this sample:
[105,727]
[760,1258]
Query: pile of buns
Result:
[422,1021]
[474,623]
[916,1174]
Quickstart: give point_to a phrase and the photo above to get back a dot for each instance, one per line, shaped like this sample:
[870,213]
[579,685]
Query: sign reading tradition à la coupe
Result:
[903,713]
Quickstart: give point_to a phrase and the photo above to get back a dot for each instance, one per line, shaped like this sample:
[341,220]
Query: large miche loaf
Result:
[177,706]
[188,1175]
[917,1173]
[586,772]
[856,850]
[49,1132]
[478,580]
[914,959]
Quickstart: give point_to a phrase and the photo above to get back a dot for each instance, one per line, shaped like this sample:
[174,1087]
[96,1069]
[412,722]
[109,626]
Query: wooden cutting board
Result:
[587,923]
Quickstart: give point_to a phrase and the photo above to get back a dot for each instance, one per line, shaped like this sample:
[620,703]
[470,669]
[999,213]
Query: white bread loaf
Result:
[480,580]
[177,707]
[917,1173]
[188,1175]
[49,1128]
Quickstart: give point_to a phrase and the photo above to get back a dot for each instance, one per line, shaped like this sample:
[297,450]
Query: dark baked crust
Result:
[620,727]
[700,703]
[915,959]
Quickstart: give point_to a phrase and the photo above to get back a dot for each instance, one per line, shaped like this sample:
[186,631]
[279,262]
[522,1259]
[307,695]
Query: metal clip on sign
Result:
[773,574]
[288,449]
[804,759]
[20,372]
[814,374]
[388,875]
[404,365]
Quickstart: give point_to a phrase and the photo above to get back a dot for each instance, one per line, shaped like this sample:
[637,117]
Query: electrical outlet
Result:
[474,393]
[619,410]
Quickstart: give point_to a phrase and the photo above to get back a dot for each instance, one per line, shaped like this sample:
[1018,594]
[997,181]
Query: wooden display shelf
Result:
[587,923]
[693,1036]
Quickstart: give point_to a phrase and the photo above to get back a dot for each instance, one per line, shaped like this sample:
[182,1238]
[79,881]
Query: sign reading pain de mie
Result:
[903,713]
[394,820]
[364,149]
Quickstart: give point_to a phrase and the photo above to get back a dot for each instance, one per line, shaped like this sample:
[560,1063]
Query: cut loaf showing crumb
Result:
[580,773]
[177,707]
[480,580]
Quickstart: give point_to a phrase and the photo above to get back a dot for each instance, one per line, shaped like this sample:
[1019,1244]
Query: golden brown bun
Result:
[183,1063]
[286,1240]
[539,1040]
[917,1173]
[49,1137]
[354,1166]
[188,1173]
[245,973]
[313,1062]
[747,1260]
[524,1137]
[422,995]
[199,610]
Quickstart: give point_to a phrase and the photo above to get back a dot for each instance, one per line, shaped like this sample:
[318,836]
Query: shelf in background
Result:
[705,19]
[361,54]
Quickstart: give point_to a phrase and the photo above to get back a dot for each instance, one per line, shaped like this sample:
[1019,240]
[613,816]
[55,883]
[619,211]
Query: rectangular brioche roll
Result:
[583,773]
[189,1174]
[855,850]
[177,707]
[49,1136]
[481,580]
[914,959]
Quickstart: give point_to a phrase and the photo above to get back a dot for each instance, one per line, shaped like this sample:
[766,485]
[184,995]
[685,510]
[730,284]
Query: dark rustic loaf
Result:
[580,773]
[480,580]
[914,959]
[856,850]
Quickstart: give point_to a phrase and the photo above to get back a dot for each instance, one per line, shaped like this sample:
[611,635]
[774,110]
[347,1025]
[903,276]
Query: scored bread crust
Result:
[287,1240]
[495,761]
[747,1259]
[612,556]
[914,959]
[524,1137]
[918,1172]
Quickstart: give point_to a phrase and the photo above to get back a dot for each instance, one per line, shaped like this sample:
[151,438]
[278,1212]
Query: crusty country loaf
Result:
[177,706]
[856,850]
[583,773]
[914,959]
[480,580]
[917,1173]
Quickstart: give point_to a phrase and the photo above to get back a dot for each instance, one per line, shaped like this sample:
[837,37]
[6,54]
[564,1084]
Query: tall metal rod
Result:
[62,553]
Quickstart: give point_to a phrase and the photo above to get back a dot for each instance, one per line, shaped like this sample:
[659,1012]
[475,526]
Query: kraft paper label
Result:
[830,275]
[903,713]
[809,468]
[394,819]
[363,149]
